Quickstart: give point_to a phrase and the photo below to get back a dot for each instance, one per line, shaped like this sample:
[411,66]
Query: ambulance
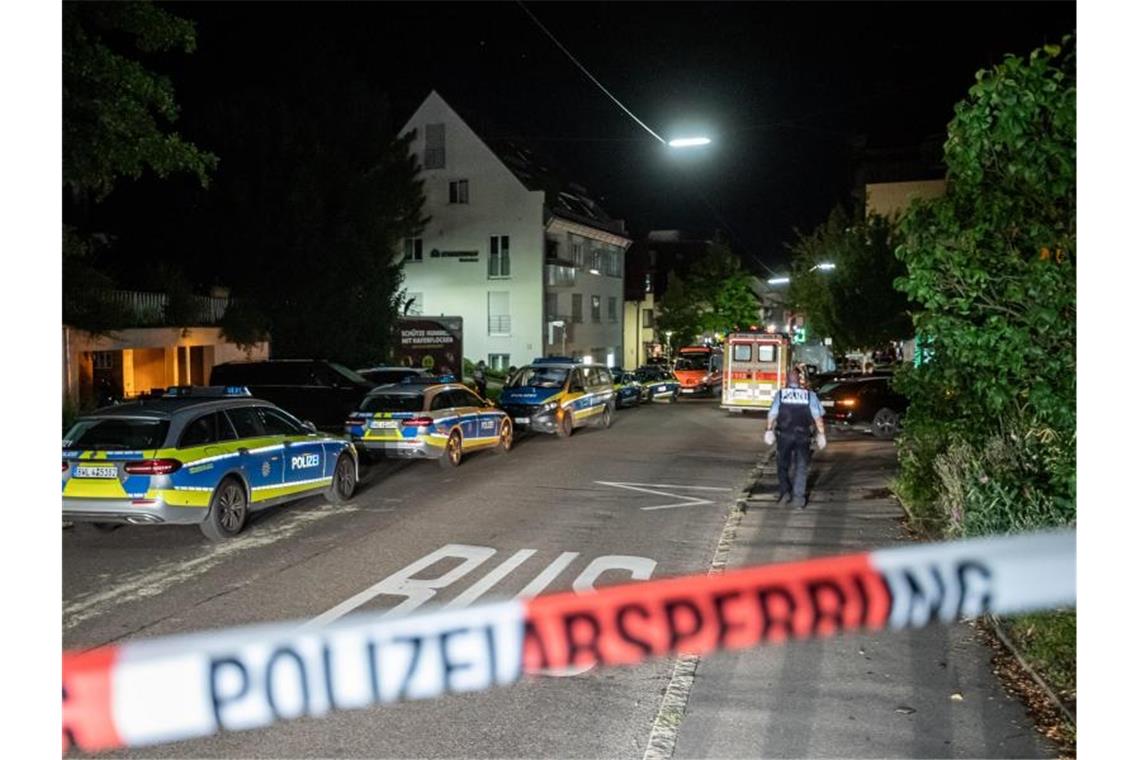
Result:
[699,370]
[756,365]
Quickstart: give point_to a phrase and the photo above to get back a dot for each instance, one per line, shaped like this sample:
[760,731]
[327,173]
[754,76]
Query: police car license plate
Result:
[688,390]
[87,471]
[522,420]
[385,424]
[828,403]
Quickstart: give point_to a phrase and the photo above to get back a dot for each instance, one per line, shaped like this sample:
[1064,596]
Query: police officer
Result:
[480,377]
[795,410]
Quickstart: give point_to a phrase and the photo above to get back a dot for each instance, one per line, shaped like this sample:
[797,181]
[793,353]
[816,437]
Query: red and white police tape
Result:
[165,689]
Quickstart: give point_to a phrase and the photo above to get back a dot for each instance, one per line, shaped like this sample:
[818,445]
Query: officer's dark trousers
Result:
[793,449]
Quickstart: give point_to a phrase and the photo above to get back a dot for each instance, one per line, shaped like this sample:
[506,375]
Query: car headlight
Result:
[548,407]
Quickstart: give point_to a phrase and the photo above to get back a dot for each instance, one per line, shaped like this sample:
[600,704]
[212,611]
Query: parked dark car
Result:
[386,375]
[867,403]
[320,391]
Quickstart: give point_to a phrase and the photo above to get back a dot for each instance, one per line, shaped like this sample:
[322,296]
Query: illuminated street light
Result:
[689,142]
[826,266]
[779,280]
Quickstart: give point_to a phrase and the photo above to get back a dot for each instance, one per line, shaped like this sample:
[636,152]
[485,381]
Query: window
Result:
[552,250]
[551,301]
[499,362]
[742,352]
[611,308]
[647,318]
[278,423]
[441,400]
[578,253]
[393,402]
[499,262]
[595,308]
[413,249]
[245,421]
[576,307]
[414,305]
[499,312]
[766,353]
[209,428]
[596,261]
[109,433]
[465,398]
[434,154]
[457,191]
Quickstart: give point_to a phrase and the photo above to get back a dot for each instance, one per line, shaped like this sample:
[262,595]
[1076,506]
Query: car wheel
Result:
[453,452]
[506,438]
[566,425]
[885,424]
[607,416]
[229,510]
[343,485]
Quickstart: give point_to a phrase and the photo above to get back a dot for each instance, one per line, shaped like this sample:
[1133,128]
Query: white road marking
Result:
[544,579]
[154,580]
[488,581]
[655,489]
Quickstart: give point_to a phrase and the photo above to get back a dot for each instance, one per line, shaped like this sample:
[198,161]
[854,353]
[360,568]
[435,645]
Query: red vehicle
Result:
[699,369]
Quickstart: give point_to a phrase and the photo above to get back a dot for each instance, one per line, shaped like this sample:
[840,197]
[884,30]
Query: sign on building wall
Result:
[433,343]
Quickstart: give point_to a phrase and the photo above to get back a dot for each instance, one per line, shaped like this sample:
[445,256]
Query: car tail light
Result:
[152,467]
[846,402]
[353,421]
[417,422]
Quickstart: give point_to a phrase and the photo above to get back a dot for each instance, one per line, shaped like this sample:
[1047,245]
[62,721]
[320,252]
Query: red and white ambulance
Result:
[756,365]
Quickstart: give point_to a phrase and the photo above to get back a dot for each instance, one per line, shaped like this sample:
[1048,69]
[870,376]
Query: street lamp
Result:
[825,266]
[688,142]
[779,280]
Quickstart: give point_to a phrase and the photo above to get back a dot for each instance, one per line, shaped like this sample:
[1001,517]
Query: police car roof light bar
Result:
[207,391]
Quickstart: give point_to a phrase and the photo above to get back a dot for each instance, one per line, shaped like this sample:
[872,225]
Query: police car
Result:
[430,418]
[558,394]
[626,387]
[205,456]
[658,383]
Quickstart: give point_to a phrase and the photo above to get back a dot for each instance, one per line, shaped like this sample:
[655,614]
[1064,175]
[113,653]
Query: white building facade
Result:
[529,274]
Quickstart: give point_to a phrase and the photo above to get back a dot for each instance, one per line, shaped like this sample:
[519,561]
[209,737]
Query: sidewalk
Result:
[883,695]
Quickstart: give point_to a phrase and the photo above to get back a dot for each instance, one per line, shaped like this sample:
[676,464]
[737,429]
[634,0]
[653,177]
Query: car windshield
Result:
[697,362]
[540,377]
[393,402]
[649,374]
[116,433]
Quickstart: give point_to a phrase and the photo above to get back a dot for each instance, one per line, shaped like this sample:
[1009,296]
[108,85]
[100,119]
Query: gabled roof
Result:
[563,198]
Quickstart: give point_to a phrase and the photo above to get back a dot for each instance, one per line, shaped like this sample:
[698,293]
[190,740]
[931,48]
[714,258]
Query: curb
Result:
[994,624]
[667,724]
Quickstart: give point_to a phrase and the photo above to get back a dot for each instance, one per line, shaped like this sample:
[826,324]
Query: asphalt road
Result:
[540,505]
[647,498]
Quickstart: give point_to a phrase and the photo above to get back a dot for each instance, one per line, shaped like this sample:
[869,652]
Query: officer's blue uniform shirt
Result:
[812,400]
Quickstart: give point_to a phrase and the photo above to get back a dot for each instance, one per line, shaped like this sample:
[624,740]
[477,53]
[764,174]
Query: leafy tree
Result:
[724,292]
[678,314]
[306,214]
[116,112]
[992,265]
[856,303]
[714,296]
[116,118]
[991,268]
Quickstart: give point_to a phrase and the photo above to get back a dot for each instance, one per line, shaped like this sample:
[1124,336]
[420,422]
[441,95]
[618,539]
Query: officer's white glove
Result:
[769,437]
[820,442]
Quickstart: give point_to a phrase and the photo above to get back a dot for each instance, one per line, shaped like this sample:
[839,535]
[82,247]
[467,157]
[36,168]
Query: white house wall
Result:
[499,204]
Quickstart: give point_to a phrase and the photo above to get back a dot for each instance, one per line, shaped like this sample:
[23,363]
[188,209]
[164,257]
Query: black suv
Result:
[320,391]
[867,403]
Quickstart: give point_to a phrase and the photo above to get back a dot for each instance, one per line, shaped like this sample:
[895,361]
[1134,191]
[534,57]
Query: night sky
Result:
[786,90]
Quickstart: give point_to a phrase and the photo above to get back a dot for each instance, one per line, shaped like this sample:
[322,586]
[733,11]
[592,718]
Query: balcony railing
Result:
[560,276]
[499,324]
[155,309]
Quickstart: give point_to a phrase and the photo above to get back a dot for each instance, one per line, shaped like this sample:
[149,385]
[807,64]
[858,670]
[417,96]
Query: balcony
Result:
[499,324]
[561,276]
[140,309]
